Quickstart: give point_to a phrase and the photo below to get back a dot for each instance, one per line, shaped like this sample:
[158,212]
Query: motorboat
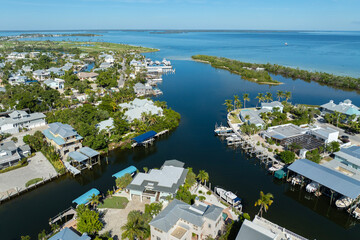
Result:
[296,180]
[228,196]
[312,187]
[275,168]
[344,202]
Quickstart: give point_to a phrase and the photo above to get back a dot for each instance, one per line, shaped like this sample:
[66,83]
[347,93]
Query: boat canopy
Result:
[280,174]
[85,198]
[129,170]
[144,137]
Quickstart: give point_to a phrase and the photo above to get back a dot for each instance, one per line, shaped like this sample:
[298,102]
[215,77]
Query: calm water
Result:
[198,91]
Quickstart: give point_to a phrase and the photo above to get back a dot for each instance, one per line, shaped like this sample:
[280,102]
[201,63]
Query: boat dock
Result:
[147,138]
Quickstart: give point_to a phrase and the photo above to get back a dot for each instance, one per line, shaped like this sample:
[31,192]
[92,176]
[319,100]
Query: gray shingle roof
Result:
[64,130]
[252,231]
[351,154]
[176,210]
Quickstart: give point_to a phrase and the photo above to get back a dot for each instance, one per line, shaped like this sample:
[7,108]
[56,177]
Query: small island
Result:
[246,70]
[328,79]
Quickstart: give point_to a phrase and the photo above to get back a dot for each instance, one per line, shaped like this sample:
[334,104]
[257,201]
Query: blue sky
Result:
[180,14]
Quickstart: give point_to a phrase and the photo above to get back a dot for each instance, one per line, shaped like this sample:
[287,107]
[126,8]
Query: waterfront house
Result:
[180,220]
[17,120]
[253,117]
[10,154]
[346,108]
[69,234]
[272,106]
[288,134]
[157,184]
[63,137]
[57,83]
[134,109]
[91,76]
[105,65]
[67,67]
[262,229]
[327,134]
[143,89]
[347,161]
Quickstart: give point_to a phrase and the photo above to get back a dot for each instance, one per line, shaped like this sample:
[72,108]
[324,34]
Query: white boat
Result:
[344,202]
[275,168]
[296,180]
[312,187]
[228,196]
[222,130]
[157,91]
[286,44]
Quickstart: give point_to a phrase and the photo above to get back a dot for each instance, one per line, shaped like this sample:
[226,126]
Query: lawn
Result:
[234,116]
[114,202]
[33,181]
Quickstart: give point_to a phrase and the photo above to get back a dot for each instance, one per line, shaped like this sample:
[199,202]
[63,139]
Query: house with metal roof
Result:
[69,234]
[347,160]
[327,134]
[143,89]
[345,107]
[106,125]
[56,71]
[15,121]
[180,220]
[251,116]
[41,75]
[134,109]
[157,184]
[272,106]
[63,137]
[262,229]
[10,154]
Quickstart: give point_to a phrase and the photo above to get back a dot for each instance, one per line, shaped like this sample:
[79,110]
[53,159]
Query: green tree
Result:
[264,202]
[287,156]
[88,221]
[246,98]
[190,178]
[123,181]
[153,209]
[268,97]
[279,95]
[237,102]
[203,176]
[145,169]
[94,200]
[260,98]
[229,105]
[42,235]
[14,139]
[287,96]
[136,227]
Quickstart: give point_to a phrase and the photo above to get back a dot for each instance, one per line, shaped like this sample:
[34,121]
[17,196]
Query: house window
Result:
[209,225]
[158,238]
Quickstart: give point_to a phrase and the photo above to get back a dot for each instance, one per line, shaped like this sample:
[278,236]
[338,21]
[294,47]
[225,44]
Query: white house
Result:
[134,109]
[57,83]
[17,120]
[180,220]
[157,184]
[272,105]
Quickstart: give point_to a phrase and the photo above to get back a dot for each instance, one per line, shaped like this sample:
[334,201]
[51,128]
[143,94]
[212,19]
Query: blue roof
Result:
[89,152]
[144,136]
[79,157]
[68,234]
[129,170]
[57,140]
[83,199]
[327,177]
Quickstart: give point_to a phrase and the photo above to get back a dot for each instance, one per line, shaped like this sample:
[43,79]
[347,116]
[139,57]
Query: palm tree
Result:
[94,199]
[260,97]
[136,226]
[247,118]
[264,202]
[279,94]
[268,97]
[110,193]
[287,95]
[203,176]
[145,169]
[237,102]
[246,98]
[229,105]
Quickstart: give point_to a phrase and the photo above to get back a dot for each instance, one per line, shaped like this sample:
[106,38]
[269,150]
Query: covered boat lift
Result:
[130,170]
[145,139]
[333,180]
[85,198]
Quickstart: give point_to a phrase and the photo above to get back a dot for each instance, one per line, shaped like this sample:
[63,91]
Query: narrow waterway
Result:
[198,91]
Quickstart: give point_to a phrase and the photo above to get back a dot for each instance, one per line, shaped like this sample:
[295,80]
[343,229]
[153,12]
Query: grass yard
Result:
[33,181]
[114,202]
[234,116]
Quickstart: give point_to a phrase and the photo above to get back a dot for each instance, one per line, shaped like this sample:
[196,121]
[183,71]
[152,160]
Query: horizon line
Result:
[188,30]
